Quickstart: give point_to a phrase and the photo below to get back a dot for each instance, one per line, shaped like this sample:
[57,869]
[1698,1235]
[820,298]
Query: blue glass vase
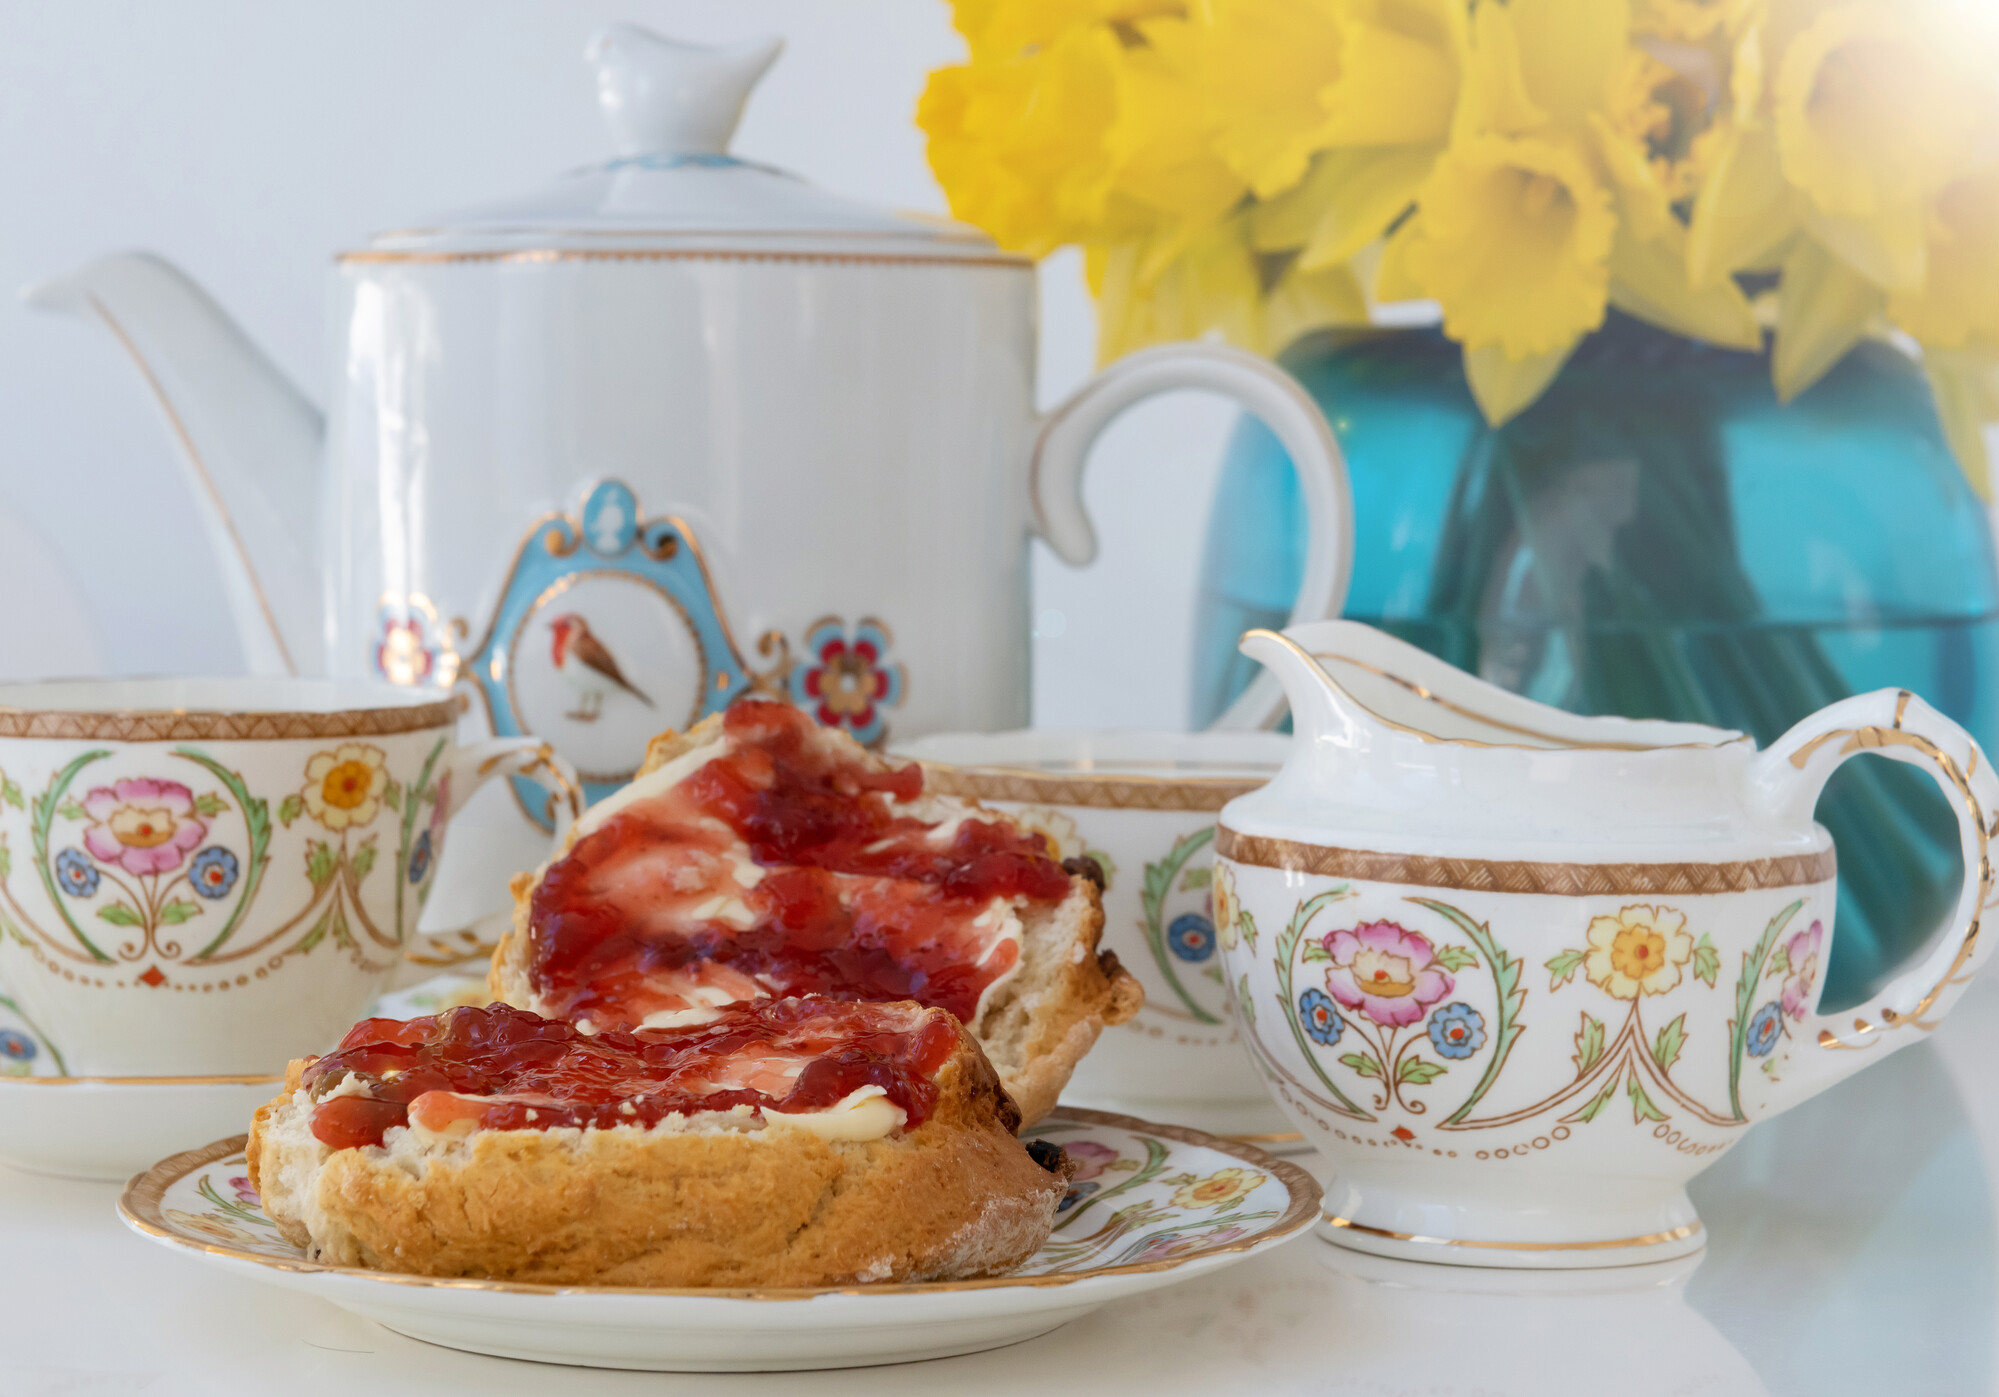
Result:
[1656,537]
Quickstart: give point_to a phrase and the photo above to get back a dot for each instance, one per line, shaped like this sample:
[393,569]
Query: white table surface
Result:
[1853,1251]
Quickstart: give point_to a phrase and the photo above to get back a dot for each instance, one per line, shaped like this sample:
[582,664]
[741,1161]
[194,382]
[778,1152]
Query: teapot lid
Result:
[672,184]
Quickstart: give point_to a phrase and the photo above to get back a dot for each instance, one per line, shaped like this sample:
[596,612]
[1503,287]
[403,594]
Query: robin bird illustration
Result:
[587,667]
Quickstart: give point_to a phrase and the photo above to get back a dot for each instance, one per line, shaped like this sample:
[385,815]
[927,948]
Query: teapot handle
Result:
[1063,444]
[1787,779]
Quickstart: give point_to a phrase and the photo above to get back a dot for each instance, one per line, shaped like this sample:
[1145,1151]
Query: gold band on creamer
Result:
[1124,791]
[1650,1239]
[1562,879]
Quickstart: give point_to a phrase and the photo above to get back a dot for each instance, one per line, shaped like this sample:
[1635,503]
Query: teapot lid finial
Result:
[663,97]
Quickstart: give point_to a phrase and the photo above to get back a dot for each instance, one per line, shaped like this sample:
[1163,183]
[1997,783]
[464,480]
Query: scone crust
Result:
[955,1198]
[1035,1028]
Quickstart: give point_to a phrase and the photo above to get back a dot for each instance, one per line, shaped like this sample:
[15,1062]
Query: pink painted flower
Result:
[1090,1158]
[1172,1244]
[1803,954]
[1385,972]
[142,825]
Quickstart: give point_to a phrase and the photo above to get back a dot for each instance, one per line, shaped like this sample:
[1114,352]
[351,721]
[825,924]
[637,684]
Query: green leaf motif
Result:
[1242,999]
[6,863]
[118,914]
[210,805]
[1707,961]
[178,911]
[1666,1047]
[10,791]
[1315,951]
[1419,1072]
[1589,1046]
[342,935]
[1194,879]
[1642,1109]
[1597,1103]
[1362,1064]
[364,858]
[1562,968]
[70,810]
[1779,963]
[1247,925]
[290,808]
[1456,958]
[392,796]
[318,932]
[320,861]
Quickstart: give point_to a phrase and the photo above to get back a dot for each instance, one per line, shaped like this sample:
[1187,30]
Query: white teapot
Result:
[677,428]
[1521,974]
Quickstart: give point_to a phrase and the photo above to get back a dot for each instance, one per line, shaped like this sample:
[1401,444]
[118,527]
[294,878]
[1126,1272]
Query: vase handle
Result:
[1786,783]
[1063,444]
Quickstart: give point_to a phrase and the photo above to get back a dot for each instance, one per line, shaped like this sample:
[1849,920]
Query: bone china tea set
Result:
[679,429]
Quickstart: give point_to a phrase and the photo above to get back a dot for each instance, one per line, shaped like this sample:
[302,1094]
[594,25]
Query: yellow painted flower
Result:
[1957,307]
[1223,895]
[343,788]
[1641,950]
[1876,110]
[1514,239]
[1219,1189]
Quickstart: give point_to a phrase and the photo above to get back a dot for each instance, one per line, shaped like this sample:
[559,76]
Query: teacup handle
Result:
[1895,724]
[1063,444]
[470,768]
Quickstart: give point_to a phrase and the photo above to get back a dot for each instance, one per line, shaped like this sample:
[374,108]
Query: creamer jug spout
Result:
[1322,712]
[250,442]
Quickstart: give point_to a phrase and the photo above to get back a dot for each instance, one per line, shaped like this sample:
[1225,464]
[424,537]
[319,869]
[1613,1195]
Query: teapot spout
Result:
[249,440]
[1321,712]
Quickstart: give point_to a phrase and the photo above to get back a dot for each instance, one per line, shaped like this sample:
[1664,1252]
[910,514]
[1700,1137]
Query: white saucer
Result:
[1154,1205]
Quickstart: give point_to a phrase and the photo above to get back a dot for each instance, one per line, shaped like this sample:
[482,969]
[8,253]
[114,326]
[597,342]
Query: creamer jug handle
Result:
[1787,779]
[1063,443]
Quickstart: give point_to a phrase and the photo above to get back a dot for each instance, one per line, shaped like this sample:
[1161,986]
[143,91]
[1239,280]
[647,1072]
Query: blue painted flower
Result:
[1192,936]
[78,875]
[1457,1030]
[213,872]
[1076,1194]
[420,858]
[1764,1028]
[18,1046]
[1322,1020]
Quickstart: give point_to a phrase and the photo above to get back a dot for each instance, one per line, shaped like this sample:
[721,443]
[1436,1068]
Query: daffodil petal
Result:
[1965,385]
[1823,309]
[1503,387]
[1743,211]
[1648,279]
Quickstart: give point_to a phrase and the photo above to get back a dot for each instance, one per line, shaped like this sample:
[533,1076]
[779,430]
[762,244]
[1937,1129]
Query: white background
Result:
[250,141]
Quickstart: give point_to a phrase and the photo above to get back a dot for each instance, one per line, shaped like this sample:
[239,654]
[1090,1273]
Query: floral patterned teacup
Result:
[1143,806]
[204,878]
[1520,974]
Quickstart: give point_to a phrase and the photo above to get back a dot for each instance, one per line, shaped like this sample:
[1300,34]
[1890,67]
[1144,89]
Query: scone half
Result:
[862,1190]
[585,944]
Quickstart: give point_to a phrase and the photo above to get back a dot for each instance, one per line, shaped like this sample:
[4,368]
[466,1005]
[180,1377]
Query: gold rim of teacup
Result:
[183,724]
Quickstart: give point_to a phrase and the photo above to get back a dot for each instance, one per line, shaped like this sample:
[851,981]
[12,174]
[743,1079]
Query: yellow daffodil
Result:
[1875,112]
[1160,144]
[1958,304]
[1018,142]
[1401,67]
[1685,20]
[1263,66]
[1514,240]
